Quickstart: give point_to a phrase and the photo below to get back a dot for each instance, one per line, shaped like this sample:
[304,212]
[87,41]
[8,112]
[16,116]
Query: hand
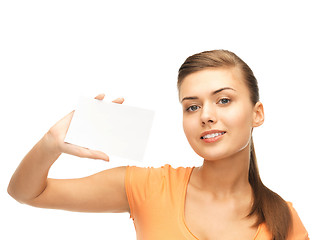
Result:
[57,133]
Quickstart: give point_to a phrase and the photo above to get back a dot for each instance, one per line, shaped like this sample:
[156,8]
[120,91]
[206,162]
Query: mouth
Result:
[213,135]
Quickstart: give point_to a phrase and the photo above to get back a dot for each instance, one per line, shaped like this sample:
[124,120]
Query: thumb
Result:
[83,152]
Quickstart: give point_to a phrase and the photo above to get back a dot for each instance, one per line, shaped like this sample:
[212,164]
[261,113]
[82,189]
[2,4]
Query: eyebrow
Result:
[213,93]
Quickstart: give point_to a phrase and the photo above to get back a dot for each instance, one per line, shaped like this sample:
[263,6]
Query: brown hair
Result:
[268,206]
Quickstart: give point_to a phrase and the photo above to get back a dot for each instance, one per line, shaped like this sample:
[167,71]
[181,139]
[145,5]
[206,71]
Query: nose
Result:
[208,115]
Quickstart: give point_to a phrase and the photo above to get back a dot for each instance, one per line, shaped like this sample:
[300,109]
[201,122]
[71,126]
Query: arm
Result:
[101,192]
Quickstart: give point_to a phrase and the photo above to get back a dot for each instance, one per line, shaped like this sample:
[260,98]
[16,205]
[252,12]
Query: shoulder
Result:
[298,231]
[146,184]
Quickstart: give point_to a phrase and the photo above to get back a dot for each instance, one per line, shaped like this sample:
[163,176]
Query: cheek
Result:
[238,119]
[189,125]
[186,126]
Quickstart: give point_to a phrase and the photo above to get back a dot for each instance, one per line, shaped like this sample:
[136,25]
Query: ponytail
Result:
[268,205]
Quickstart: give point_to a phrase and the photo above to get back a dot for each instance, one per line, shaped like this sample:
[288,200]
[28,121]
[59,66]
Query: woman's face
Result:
[207,107]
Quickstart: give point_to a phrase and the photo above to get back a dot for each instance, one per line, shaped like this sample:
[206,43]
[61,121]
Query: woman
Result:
[222,199]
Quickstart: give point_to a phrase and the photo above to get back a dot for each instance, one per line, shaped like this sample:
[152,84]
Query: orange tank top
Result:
[156,198]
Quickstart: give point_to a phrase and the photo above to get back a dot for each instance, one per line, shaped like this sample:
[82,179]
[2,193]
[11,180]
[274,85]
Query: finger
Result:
[100,96]
[118,100]
[64,122]
[70,115]
[83,152]
[67,120]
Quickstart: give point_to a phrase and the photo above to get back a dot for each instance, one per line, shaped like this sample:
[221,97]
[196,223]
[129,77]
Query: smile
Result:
[209,138]
[212,135]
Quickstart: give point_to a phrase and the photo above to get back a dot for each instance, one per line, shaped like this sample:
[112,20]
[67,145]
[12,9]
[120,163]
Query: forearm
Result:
[30,178]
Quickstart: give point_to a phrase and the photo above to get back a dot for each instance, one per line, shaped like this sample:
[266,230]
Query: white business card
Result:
[115,129]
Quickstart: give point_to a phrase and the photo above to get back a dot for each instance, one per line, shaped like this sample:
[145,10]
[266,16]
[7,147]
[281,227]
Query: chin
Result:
[218,154]
[213,156]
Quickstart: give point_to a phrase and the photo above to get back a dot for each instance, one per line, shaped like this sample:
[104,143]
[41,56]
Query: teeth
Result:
[212,135]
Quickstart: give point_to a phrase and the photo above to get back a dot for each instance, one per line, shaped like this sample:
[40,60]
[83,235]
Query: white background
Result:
[51,52]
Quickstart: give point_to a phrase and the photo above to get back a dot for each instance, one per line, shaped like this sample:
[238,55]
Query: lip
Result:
[211,132]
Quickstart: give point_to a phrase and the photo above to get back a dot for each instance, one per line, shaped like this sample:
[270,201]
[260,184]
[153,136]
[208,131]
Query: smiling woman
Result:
[206,79]
[223,199]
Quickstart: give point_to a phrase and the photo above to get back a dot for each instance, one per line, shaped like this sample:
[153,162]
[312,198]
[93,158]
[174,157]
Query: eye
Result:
[224,101]
[192,108]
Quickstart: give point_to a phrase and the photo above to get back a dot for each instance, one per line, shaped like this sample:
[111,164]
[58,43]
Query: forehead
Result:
[209,80]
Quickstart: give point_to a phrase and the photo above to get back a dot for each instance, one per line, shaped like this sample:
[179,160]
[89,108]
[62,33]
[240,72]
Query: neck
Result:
[227,177]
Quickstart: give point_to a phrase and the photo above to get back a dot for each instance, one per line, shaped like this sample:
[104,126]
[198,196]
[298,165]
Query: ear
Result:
[258,114]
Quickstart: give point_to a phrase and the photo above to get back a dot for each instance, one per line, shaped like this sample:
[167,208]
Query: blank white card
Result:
[115,129]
